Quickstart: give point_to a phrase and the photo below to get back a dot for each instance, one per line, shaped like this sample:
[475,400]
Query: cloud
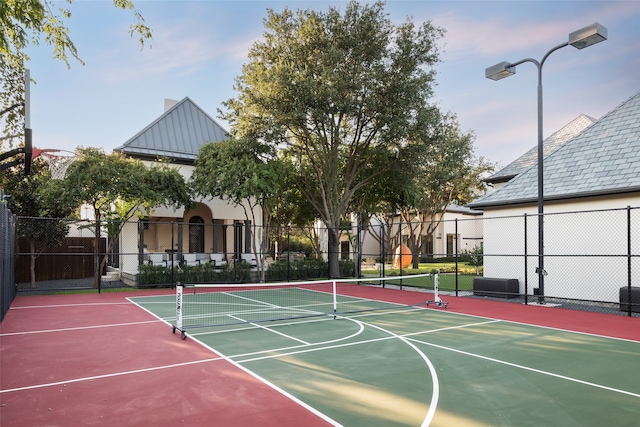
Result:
[181,47]
[525,26]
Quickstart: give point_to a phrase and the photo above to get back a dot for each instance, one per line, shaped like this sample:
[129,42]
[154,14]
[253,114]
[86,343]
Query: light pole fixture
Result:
[580,39]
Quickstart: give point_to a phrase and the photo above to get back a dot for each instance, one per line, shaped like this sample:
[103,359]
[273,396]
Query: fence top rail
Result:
[475,218]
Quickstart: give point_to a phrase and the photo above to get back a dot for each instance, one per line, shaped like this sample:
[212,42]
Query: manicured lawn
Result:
[447,279]
[446,282]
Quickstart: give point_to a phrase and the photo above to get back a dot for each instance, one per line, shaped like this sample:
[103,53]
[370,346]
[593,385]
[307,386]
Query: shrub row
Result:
[307,269]
[157,275]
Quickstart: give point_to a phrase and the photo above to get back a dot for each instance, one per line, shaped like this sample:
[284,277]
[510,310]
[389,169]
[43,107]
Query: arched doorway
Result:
[196,234]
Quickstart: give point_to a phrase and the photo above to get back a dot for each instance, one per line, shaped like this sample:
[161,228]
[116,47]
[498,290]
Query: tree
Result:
[40,208]
[450,174]
[294,211]
[246,173]
[27,22]
[474,257]
[340,93]
[378,204]
[102,180]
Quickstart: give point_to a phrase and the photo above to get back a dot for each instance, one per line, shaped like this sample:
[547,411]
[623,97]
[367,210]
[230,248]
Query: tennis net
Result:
[207,305]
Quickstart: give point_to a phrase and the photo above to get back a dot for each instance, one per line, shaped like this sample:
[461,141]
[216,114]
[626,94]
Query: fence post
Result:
[629,307]
[456,254]
[526,263]
[358,254]
[383,257]
[172,254]
[180,237]
[8,258]
[141,240]
[98,261]
[288,252]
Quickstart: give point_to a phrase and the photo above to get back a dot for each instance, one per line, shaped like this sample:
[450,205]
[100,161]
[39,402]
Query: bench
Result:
[495,287]
[635,299]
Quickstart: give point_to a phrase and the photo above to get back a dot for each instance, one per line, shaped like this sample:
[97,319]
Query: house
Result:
[597,169]
[211,227]
[458,231]
[549,145]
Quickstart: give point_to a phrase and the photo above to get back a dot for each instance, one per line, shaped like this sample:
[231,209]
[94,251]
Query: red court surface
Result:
[99,360]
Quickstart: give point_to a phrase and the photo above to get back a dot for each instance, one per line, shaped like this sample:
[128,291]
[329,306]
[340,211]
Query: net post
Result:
[179,306]
[335,299]
[436,293]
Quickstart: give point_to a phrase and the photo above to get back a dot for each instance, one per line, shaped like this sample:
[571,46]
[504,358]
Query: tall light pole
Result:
[580,39]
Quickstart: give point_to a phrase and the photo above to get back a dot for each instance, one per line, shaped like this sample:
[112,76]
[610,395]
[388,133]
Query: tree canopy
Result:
[105,180]
[246,173]
[39,205]
[341,93]
[29,22]
[448,174]
[100,179]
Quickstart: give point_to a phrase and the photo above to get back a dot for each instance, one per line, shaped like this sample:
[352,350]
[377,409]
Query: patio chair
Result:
[177,260]
[191,259]
[217,259]
[157,259]
[249,258]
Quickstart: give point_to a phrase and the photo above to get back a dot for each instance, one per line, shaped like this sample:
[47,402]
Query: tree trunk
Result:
[96,256]
[334,252]
[110,246]
[32,263]
[415,259]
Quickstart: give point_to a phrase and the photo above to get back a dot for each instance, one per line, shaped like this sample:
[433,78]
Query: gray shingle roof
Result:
[603,159]
[177,134]
[551,144]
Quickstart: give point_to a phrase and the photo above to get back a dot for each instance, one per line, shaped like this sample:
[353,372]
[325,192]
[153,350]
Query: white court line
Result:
[115,374]
[249,327]
[533,325]
[320,343]
[526,368]
[600,386]
[435,393]
[273,386]
[45,331]
[489,320]
[309,350]
[67,305]
[271,330]
[260,303]
[149,311]
[434,376]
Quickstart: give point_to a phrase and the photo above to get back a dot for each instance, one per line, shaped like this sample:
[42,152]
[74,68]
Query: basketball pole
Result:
[27,148]
[28,135]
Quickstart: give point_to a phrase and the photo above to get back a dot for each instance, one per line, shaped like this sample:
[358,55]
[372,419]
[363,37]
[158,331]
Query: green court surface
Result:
[419,366]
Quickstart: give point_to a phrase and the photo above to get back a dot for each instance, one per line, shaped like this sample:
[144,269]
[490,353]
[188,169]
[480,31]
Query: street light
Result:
[580,39]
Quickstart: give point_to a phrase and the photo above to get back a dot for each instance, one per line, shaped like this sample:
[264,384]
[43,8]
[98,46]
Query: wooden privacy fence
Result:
[71,259]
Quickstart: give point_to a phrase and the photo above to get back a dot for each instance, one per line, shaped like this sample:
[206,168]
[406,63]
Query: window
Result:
[451,244]
[196,234]
[427,244]
[344,250]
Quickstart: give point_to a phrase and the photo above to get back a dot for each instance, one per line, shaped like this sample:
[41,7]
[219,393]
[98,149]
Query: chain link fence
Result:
[590,258]
[8,257]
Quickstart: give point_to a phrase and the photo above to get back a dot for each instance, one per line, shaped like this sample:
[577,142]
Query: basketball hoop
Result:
[58,160]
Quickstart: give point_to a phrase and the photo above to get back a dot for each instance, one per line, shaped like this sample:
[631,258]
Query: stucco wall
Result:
[585,247]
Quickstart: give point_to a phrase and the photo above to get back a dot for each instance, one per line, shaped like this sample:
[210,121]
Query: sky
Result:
[199,47]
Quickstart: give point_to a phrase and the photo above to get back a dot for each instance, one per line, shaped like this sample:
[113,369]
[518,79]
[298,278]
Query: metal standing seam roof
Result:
[603,159]
[549,145]
[177,134]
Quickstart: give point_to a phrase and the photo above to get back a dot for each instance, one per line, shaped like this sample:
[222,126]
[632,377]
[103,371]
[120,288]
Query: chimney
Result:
[168,103]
